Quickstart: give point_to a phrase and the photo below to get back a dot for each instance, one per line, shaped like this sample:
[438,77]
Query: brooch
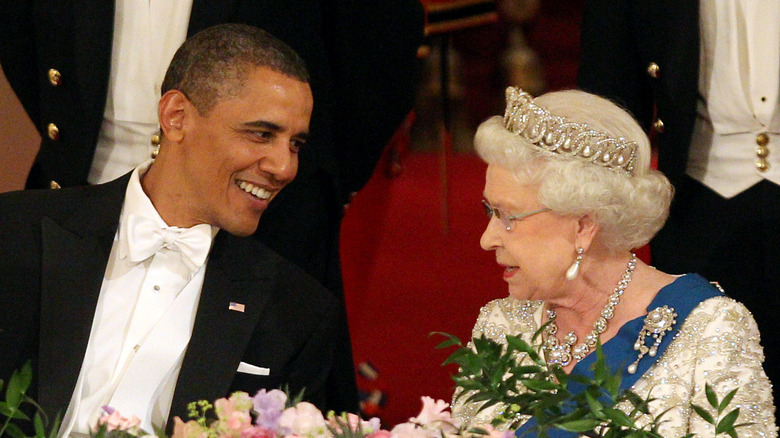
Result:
[657,322]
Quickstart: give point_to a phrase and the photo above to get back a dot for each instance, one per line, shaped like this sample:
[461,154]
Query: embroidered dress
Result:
[715,341]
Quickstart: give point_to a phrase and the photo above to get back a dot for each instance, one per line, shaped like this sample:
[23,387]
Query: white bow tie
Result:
[145,238]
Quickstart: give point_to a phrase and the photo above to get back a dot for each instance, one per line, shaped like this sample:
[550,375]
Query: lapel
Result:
[237,271]
[207,13]
[75,252]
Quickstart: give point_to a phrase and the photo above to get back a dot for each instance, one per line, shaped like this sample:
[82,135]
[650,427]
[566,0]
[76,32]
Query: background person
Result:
[705,75]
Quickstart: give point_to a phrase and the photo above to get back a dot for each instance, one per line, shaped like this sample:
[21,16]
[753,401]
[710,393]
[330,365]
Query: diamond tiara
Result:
[557,135]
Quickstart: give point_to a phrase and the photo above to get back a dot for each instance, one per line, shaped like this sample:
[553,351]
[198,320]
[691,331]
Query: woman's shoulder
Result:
[507,316]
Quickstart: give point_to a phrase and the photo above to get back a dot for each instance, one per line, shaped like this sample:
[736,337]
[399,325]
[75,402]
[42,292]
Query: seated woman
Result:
[569,192]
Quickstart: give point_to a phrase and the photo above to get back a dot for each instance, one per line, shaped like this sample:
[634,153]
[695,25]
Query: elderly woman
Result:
[569,192]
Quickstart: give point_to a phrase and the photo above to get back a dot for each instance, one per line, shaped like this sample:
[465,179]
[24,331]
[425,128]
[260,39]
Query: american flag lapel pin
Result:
[238,307]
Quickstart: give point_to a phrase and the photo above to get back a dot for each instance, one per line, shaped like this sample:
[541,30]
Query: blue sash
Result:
[683,294]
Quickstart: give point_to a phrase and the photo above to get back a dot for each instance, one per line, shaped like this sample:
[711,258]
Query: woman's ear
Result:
[587,228]
[172,111]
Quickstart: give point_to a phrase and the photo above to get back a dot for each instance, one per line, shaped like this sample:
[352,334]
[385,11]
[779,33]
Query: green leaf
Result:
[539,385]
[55,427]
[619,417]
[18,384]
[711,396]
[727,423]
[706,416]
[40,429]
[726,401]
[594,404]
[14,431]
[12,412]
[579,426]
[451,340]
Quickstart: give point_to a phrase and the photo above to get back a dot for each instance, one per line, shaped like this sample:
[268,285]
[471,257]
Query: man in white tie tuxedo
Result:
[141,293]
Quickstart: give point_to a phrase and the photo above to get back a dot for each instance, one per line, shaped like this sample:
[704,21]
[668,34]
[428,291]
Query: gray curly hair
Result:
[628,209]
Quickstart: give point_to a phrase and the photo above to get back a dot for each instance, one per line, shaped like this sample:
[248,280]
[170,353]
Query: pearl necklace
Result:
[562,353]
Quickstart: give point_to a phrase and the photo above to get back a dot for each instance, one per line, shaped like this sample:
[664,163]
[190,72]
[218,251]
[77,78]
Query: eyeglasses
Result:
[505,220]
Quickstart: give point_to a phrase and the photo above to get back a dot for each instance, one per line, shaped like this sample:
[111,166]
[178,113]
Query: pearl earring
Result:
[574,269]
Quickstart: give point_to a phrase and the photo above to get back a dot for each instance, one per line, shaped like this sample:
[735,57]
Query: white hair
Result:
[628,209]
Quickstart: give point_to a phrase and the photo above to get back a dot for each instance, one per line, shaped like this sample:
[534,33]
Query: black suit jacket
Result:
[50,284]
[620,39]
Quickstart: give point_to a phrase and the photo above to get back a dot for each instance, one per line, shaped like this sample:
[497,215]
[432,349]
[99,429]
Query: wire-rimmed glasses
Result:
[505,219]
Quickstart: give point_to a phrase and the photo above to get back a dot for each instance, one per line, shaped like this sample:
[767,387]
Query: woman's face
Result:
[538,249]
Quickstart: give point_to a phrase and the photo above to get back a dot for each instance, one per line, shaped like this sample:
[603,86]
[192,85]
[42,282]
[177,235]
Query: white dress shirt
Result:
[739,82]
[146,35]
[142,324]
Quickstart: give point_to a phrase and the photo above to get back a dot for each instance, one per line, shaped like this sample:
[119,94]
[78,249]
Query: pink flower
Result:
[302,419]
[410,430]
[380,434]
[353,422]
[432,411]
[233,414]
[190,429]
[113,420]
[258,432]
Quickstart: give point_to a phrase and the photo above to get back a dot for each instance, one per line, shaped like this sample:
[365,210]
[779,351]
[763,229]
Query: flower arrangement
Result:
[271,414]
[490,374]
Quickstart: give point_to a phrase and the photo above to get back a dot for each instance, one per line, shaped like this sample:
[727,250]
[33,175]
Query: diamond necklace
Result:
[562,353]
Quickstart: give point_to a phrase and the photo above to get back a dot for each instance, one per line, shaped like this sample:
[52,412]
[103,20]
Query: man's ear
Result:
[587,228]
[172,110]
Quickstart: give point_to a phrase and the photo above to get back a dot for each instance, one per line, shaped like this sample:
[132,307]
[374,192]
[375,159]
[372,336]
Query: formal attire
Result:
[714,340]
[702,77]
[57,56]
[261,322]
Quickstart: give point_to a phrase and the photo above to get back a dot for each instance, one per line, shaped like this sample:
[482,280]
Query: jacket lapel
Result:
[236,272]
[74,256]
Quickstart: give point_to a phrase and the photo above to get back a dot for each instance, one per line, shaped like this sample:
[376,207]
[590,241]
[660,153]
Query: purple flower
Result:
[268,405]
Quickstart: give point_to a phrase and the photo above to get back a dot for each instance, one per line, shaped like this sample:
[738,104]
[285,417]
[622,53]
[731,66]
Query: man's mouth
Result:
[256,191]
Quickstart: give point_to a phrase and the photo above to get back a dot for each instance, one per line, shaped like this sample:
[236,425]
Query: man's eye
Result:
[296,145]
[263,135]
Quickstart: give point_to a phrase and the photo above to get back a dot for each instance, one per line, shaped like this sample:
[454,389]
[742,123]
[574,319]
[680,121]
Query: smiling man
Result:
[141,293]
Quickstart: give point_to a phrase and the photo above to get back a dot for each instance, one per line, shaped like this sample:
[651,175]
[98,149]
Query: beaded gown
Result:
[715,340]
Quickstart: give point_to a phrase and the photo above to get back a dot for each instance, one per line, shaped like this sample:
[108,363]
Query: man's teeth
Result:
[258,192]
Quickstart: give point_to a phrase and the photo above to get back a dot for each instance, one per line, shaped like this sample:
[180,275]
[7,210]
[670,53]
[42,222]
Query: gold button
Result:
[654,70]
[156,140]
[155,152]
[54,185]
[55,77]
[762,139]
[762,165]
[54,131]
[762,152]
[658,125]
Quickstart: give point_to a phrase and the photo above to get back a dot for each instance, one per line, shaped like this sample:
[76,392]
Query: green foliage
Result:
[517,378]
[18,408]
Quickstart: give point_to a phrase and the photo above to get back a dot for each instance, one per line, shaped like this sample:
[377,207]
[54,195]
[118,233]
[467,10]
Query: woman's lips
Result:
[509,271]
